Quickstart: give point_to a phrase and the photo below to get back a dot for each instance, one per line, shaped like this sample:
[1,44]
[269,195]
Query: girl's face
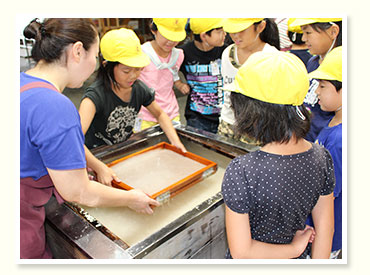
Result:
[249,36]
[329,98]
[80,71]
[217,37]
[126,76]
[165,44]
[318,43]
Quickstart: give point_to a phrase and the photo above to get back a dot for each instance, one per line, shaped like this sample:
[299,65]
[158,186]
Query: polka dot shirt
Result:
[278,191]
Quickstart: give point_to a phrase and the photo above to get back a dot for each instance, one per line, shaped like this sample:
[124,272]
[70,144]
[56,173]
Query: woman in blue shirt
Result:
[52,159]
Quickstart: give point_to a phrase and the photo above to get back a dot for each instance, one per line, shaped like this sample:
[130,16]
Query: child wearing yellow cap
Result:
[321,35]
[110,106]
[249,35]
[269,193]
[202,70]
[298,47]
[162,72]
[329,91]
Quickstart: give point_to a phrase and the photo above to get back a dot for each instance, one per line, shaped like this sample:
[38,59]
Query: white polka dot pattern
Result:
[278,191]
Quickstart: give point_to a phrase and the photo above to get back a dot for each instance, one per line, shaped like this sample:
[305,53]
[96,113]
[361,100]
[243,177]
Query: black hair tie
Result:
[42,30]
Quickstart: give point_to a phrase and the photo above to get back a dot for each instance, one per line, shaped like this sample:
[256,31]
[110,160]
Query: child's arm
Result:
[166,124]
[323,219]
[182,87]
[242,245]
[105,175]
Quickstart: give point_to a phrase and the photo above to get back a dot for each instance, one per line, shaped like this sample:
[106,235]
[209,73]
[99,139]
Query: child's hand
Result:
[105,175]
[180,146]
[183,88]
[312,235]
[302,238]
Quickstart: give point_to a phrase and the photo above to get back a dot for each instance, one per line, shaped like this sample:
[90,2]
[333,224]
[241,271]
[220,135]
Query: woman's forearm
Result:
[74,186]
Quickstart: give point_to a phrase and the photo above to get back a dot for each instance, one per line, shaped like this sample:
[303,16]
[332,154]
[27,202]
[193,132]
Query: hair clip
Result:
[299,113]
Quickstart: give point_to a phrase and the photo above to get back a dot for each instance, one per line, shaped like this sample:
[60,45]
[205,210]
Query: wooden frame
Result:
[179,186]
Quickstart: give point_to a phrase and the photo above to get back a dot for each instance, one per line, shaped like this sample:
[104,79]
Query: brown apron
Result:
[34,194]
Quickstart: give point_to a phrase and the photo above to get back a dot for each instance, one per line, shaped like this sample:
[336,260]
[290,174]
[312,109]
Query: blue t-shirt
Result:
[50,131]
[304,55]
[320,118]
[331,139]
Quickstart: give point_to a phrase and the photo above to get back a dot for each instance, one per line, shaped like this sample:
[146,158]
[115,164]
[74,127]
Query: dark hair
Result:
[324,26]
[337,84]
[55,34]
[106,72]
[267,122]
[296,38]
[270,34]
[153,26]
[197,36]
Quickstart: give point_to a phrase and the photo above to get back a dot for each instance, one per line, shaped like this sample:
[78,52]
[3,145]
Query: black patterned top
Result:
[278,191]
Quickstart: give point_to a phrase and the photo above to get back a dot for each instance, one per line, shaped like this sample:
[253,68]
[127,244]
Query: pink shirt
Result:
[162,83]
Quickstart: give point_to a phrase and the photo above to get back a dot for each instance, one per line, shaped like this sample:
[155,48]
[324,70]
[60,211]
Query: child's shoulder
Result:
[97,87]
[246,159]
[331,135]
[226,51]
[187,45]
[140,86]
[320,153]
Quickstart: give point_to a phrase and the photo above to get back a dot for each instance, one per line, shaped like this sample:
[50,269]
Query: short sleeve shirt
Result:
[331,139]
[278,191]
[202,71]
[162,82]
[229,71]
[50,132]
[320,118]
[114,119]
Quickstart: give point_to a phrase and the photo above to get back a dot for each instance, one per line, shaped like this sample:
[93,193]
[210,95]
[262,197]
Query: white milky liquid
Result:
[155,170]
[132,227]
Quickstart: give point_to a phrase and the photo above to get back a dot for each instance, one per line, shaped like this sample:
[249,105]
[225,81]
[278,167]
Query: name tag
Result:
[214,68]
[137,126]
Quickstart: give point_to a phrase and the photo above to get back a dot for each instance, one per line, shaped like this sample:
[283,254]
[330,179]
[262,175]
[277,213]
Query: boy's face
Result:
[329,98]
[217,37]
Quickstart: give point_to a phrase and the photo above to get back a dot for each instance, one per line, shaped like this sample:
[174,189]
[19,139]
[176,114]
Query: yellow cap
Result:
[331,66]
[233,25]
[123,46]
[171,28]
[199,25]
[306,21]
[278,77]
[291,26]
